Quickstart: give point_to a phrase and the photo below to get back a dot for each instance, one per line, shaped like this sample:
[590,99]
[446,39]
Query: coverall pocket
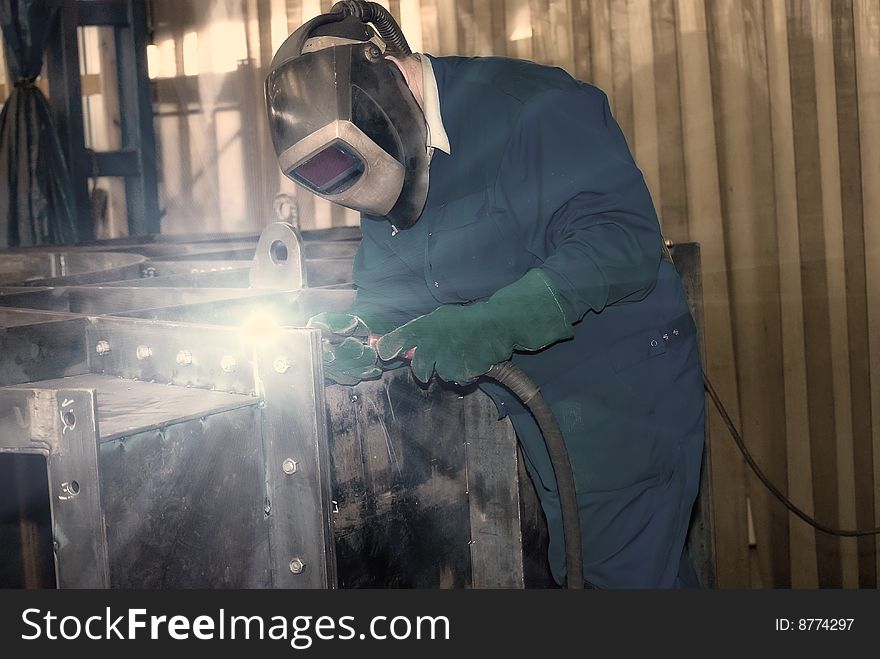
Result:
[646,365]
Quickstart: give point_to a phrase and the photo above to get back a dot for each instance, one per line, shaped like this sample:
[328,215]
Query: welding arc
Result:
[846,533]
[513,377]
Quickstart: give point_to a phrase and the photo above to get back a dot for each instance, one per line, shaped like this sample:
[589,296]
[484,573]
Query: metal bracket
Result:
[278,262]
[62,424]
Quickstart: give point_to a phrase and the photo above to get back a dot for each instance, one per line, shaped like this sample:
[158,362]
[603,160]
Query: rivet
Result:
[281,364]
[289,466]
[654,343]
[102,347]
[143,352]
[675,331]
[665,337]
[184,358]
[436,284]
[228,363]
[297,566]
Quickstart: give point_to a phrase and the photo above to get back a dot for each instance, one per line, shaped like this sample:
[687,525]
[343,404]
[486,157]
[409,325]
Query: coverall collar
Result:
[437,137]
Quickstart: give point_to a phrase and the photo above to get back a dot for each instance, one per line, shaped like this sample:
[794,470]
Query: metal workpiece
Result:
[405,481]
[61,425]
[225,251]
[226,278]
[18,317]
[99,300]
[229,312]
[178,475]
[294,423]
[284,308]
[42,350]
[279,262]
[185,499]
[164,268]
[78,527]
[189,239]
[493,488]
[179,353]
[37,267]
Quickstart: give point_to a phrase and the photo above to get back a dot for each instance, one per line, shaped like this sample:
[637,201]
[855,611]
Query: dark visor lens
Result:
[331,170]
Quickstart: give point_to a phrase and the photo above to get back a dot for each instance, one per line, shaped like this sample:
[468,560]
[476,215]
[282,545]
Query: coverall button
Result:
[436,284]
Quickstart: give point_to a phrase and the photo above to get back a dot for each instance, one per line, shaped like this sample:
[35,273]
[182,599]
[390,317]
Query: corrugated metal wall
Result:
[757,124]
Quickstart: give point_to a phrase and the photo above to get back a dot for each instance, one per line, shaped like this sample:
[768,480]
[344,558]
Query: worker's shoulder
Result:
[521,80]
[520,91]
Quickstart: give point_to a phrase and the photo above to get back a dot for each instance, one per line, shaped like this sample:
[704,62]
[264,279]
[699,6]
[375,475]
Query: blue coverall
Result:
[540,176]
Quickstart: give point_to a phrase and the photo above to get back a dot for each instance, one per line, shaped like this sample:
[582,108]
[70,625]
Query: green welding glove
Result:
[348,357]
[462,342]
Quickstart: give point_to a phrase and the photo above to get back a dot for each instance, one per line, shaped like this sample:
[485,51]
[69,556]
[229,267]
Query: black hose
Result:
[519,383]
[373,12]
[775,491]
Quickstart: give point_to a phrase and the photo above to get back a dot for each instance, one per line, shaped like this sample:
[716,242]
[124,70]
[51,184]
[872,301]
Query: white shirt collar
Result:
[437,137]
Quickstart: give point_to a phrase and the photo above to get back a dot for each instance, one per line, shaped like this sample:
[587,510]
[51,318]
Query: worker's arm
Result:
[569,187]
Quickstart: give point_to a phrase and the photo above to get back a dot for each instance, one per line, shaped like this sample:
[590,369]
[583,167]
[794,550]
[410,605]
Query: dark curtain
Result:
[35,190]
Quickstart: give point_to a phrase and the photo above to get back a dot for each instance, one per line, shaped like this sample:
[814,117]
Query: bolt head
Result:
[228,363]
[143,352]
[281,364]
[184,358]
[289,466]
[297,566]
[102,347]
[69,489]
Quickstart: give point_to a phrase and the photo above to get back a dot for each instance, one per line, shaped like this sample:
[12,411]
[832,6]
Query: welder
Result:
[503,217]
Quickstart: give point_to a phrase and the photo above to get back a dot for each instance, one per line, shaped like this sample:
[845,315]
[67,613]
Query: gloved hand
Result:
[348,358]
[462,342]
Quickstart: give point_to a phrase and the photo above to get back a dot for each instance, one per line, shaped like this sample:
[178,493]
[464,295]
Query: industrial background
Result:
[757,125]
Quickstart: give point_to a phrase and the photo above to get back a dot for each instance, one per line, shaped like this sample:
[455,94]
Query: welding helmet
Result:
[344,123]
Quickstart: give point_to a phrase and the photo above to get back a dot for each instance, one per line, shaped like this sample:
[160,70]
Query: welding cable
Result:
[373,12]
[513,377]
[846,533]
